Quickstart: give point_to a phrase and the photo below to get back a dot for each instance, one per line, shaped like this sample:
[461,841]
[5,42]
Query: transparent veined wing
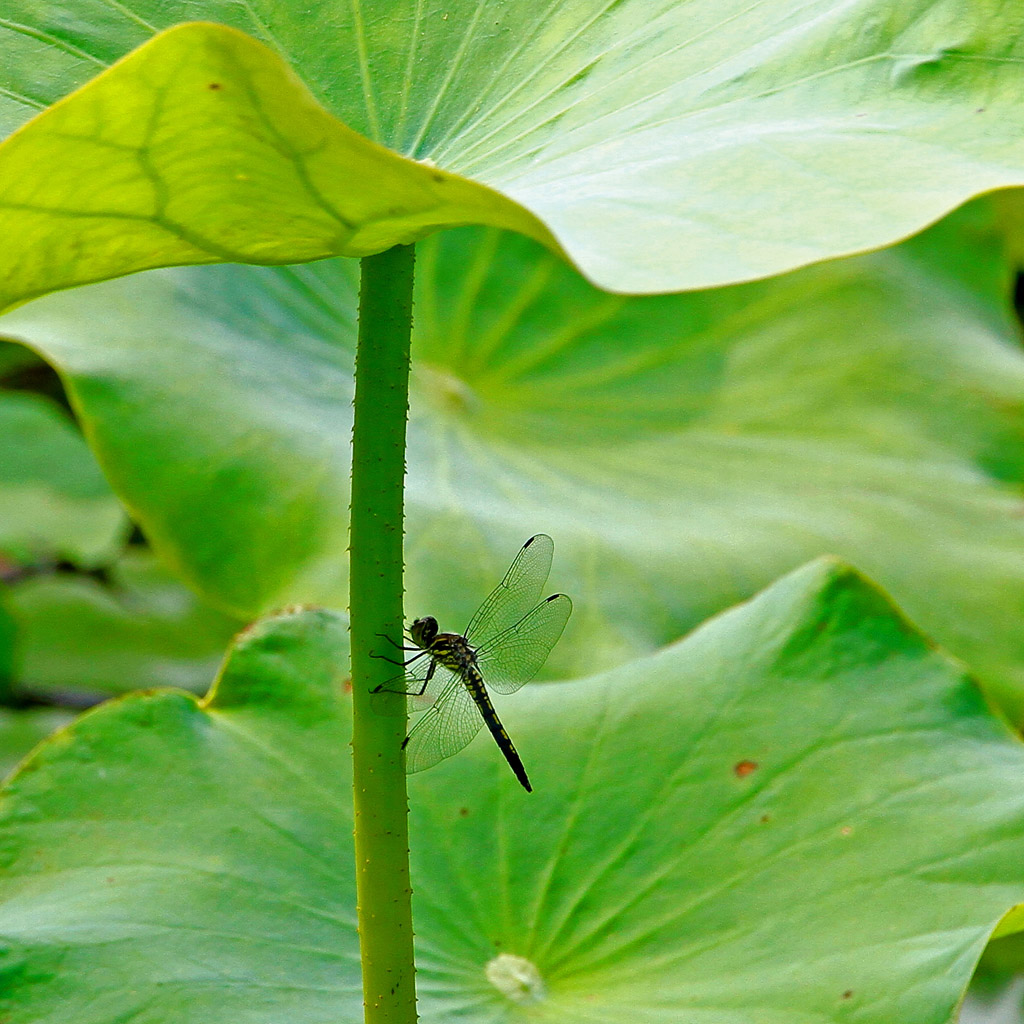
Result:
[444,729]
[517,593]
[515,656]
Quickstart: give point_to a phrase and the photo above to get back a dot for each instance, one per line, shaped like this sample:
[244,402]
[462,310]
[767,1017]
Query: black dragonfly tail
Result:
[490,716]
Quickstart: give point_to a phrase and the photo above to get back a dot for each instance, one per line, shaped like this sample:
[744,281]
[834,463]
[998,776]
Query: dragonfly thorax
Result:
[454,652]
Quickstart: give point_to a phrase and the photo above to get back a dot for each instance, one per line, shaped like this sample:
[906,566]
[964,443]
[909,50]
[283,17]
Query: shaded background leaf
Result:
[21,730]
[81,614]
[683,450]
[997,991]
[54,502]
[137,629]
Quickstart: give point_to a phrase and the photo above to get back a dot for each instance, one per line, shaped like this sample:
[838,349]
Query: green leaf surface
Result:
[682,450]
[140,629]
[719,832]
[664,145]
[54,501]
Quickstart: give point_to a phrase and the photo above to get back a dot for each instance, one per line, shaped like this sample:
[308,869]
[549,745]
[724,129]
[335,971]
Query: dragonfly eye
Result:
[424,631]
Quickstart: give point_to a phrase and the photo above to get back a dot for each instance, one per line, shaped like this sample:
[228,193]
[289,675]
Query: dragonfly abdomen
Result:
[455,652]
[475,684]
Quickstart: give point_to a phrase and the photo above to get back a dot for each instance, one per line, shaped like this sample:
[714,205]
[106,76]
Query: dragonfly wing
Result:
[515,656]
[517,593]
[445,728]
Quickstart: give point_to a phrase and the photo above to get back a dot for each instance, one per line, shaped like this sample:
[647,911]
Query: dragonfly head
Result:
[424,631]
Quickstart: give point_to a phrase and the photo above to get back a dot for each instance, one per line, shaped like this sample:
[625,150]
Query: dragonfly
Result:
[448,675]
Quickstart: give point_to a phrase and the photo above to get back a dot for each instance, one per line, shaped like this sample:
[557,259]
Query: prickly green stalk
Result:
[375,605]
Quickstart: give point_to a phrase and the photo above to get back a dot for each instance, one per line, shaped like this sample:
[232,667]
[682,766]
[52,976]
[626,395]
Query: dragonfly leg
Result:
[390,661]
[410,693]
[400,664]
[428,677]
[393,643]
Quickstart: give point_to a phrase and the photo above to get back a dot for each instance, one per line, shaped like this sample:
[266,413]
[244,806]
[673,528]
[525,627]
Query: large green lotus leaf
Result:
[141,628]
[54,502]
[199,148]
[664,145]
[801,813]
[682,450]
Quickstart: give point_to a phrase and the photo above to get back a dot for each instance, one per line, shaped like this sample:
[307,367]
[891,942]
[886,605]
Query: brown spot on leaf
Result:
[744,768]
[214,86]
[848,994]
[463,812]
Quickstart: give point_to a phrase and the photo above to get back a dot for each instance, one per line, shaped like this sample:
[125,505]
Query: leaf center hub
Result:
[516,978]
